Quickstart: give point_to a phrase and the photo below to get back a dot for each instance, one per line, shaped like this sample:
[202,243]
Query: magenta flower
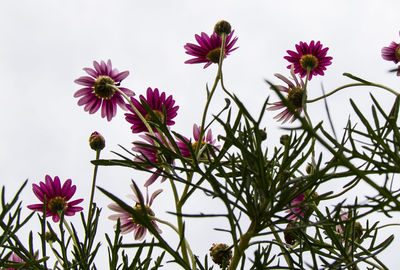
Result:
[312,57]
[99,89]
[127,221]
[392,52]
[183,147]
[295,92]
[159,103]
[56,197]
[343,216]
[209,48]
[16,259]
[148,154]
[296,211]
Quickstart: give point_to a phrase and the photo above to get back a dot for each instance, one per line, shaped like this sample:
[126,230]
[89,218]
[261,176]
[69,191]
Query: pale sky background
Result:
[46,43]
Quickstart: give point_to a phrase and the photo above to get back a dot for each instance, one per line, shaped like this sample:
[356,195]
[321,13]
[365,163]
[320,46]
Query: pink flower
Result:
[183,147]
[99,89]
[343,216]
[295,92]
[209,48]
[15,258]
[312,57]
[148,154]
[128,222]
[56,197]
[295,211]
[392,52]
[159,103]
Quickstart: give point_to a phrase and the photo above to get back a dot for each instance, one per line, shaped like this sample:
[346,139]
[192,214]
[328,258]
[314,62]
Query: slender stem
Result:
[281,244]
[71,233]
[90,215]
[243,245]
[134,109]
[55,254]
[352,85]
[192,258]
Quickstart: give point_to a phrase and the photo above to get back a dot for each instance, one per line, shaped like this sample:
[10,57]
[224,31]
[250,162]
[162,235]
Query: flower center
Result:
[213,55]
[397,53]
[138,209]
[57,204]
[103,87]
[309,61]
[158,114]
[295,96]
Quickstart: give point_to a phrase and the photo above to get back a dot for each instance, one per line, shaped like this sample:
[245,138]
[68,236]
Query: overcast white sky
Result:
[46,43]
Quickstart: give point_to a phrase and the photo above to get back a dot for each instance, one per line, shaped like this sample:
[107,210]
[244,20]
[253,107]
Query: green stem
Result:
[55,254]
[243,245]
[281,244]
[71,233]
[134,109]
[352,85]
[90,215]
[192,258]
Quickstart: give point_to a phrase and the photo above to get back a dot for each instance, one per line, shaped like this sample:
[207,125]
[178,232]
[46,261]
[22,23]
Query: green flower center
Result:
[138,210]
[103,87]
[309,61]
[213,55]
[295,96]
[158,114]
[57,204]
[397,53]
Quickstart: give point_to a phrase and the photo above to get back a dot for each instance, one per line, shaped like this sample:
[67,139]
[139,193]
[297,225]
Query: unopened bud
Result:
[358,230]
[221,254]
[222,27]
[284,139]
[263,134]
[96,141]
[291,233]
[50,237]
[309,168]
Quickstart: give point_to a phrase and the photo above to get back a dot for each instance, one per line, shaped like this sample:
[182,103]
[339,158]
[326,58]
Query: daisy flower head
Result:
[296,212]
[130,223]
[392,52]
[162,106]
[56,198]
[151,155]
[295,92]
[183,144]
[208,49]
[14,258]
[310,57]
[99,89]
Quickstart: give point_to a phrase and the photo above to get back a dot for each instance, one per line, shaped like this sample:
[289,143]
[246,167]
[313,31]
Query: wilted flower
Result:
[183,147]
[128,222]
[99,89]
[148,154]
[296,211]
[56,197]
[292,232]
[161,105]
[221,254]
[392,52]
[312,57]
[209,48]
[295,94]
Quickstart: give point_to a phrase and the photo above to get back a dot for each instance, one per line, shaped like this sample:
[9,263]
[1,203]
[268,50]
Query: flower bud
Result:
[263,134]
[358,230]
[96,141]
[222,27]
[50,237]
[221,254]
[284,139]
[291,233]
[309,168]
